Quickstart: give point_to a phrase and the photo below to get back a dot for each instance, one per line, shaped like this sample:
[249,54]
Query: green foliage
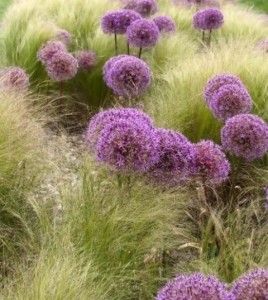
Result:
[260,5]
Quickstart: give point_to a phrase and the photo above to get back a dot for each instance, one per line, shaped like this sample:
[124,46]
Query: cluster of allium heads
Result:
[208,19]
[165,24]
[194,287]
[64,36]
[253,285]
[128,76]
[61,66]
[127,147]
[14,78]
[107,117]
[146,7]
[245,136]
[176,158]
[48,50]
[86,59]
[143,33]
[212,166]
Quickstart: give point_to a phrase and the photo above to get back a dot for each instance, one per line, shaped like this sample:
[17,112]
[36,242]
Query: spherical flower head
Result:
[127,147]
[165,24]
[87,59]
[216,82]
[118,21]
[143,33]
[108,66]
[14,78]
[129,4]
[208,19]
[129,77]
[146,7]
[211,163]
[106,117]
[263,45]
[176,158]
[230,100]
[246,136]
[47,51]
[253,285]
[64,36]
[62,66]
[195,287]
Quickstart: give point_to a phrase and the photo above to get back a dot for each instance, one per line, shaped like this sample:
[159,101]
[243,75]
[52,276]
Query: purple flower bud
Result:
[146,7]
[245,135]
[61,66]
[253,285]
[14,78]
[86,59]
[64,36]
[195,287]
[47,51]
[208,19]
[143,33]
[165,24]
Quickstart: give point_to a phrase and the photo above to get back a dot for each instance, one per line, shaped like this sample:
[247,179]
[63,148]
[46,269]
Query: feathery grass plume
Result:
[49,49]
[142,34]
[253,285]
[128,77]
[14,78]
[246,136]
[230,100]
[106,117]
[146,7]
[194,287]
[127,147]
[64,36]
[165,24]
[86,59]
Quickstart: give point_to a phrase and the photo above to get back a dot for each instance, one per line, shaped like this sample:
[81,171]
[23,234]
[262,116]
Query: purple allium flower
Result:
[245,135]
[87,59]
[146,7]
[64,36]
[230,100]
[194,287]
[61,66]
[117,22]
[47,51]
[165,24]
[251,286]
[14,78]
[208,19]
[129,4]
[129,77]
[143,33]
[263,45]
[266,197]
[216,82]
[211,163]
[106,117]
[176,158]
[109,64]
[127,146]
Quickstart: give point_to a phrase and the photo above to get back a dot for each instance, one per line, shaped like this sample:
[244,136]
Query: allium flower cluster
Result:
[146,7]
[246,136]
[14,78]
[208,19]
[211,163]
[61,66]
[128,77]
[142,33]
[127,147]
[230,100]
[176,158]
[107,117]
[195,287]
[129,4]
[47,51]
[64,36]
[165,24]
[253,285]
[117,22]
[86,59]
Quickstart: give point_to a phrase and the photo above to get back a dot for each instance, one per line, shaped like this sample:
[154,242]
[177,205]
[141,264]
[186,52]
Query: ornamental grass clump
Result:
[212,166]
[194,287]
[142,34]
[127,147]
[207,20]
[146,7]
[176,158]
[128,76]
[165,24]
[106,117]
[253,285]
[246,136]
[14,78]
[86,59]
[49,49]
